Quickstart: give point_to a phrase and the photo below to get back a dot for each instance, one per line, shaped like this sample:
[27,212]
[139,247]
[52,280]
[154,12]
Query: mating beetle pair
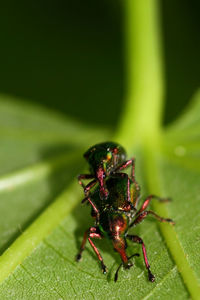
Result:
[114,198]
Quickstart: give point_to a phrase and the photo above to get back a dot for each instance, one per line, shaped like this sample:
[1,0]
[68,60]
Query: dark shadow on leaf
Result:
[83,219]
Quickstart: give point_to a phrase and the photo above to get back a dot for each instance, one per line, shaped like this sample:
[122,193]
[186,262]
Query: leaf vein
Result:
[39,282]
[160,283]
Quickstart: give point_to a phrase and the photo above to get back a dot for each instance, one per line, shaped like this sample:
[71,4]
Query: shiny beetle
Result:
[104,160]
[115,215]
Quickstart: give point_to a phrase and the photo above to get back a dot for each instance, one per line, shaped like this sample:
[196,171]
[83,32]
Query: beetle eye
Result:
[109,156]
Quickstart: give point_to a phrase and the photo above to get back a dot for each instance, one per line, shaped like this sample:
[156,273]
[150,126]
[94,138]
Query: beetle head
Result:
[104,158]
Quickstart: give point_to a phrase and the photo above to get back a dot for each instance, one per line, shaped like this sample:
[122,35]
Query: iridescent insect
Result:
[115,214]
[104,160]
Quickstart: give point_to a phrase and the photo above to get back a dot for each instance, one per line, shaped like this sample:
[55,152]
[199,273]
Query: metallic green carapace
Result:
[107,156]
[123,194]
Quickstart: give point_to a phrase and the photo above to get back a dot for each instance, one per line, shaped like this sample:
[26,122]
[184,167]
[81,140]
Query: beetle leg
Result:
[90,201]
[125,165]
[103,267]
[137,239]
[89,186]
[79,255]
[147,202]
[144,214]
[82,177]
[116,273]
[92,232]
[93,206]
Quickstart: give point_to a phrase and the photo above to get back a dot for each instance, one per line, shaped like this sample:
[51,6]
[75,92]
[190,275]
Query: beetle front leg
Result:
[88,187]
[95,235]
[79,255]
[84,177]
[93,206]
[147,202]
[144,214]
[137,239]
[126,164]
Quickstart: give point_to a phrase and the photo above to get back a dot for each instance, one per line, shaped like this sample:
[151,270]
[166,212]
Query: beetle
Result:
[105,159]
[115,215]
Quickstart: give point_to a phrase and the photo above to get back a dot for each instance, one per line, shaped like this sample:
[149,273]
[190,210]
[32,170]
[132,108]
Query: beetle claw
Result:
[104,269]
[78,257]
[170,221]
[151,276]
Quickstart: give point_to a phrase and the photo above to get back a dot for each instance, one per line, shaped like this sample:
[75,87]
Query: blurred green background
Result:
[68,55]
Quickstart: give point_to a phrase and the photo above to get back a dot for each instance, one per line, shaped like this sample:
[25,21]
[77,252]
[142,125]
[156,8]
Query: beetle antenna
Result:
[116,274]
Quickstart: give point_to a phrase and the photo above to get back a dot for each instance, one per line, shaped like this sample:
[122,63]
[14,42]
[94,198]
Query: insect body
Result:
[115,215]
[104,160]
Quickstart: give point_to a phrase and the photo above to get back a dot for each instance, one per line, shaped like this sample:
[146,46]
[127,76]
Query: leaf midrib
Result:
[168,232]
[141,122]
[38,230]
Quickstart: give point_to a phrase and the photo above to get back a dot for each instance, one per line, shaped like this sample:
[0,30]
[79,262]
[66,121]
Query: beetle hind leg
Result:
[92,232]
[119,244]
[137,239]
[128,266]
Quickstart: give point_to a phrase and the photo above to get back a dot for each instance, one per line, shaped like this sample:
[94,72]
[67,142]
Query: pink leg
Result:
[103,267]
[89,186]
[137,239]
[147,202]
[144,214]
[79,255]
[84,177]
[93,206]
[87,189]
[92,232]
[125,165]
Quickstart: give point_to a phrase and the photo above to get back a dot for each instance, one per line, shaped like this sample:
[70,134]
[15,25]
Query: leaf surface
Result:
[40,262]
[42,222]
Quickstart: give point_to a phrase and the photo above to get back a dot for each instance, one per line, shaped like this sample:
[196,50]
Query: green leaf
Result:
[42,222]
[50,270]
